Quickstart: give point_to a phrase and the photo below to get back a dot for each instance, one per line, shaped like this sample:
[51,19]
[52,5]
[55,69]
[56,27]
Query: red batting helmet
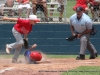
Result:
[35,55]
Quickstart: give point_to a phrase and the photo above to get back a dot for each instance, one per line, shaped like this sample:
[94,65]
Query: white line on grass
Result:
[7,69]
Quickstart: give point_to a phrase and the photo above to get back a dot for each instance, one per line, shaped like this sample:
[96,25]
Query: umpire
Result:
[82,25]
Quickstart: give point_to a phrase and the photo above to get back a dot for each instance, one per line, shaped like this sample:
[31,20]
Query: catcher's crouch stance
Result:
[32,56]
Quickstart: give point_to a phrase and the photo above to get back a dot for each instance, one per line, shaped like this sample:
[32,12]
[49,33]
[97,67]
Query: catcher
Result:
[31,57]
[22,27]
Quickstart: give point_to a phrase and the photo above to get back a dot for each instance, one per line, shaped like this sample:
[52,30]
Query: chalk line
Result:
[7,69]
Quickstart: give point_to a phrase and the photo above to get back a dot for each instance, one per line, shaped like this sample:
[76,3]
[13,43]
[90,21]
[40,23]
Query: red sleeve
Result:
[30,29]
[19,20]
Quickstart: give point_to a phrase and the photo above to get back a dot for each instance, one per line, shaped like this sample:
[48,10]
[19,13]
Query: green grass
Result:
[84,70]
[65,56]
[9,56]
[48,55]
[61,56]
[69,7]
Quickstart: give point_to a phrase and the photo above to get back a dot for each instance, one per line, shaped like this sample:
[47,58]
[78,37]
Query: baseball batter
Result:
[22,27]
[82,24]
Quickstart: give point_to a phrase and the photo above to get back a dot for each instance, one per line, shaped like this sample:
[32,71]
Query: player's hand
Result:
[4,18]
[74,34]
[79,35]
[26,39]
[34,46]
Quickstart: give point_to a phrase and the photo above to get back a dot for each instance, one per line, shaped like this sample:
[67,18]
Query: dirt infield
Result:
[54,66]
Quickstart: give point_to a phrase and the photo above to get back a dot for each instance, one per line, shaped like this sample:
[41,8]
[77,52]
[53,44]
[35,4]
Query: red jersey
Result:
[23,26]
[81,2]
[93,2]
[22,1]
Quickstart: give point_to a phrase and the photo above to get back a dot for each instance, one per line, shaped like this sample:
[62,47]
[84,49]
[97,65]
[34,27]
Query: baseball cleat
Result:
[14,60]
[92,57]
[96,54]
[80,57]
[7,49]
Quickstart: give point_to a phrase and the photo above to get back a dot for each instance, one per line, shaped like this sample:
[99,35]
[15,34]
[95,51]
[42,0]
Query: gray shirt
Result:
[81,25]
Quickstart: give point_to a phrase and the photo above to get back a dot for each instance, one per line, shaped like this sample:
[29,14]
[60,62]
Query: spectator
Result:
[51,11]
[1,10]
[60,9]
[61,5]
[22,27]
[94,7]
[24,4]
[82,3]
[8,3]
[82,25]
[40,4]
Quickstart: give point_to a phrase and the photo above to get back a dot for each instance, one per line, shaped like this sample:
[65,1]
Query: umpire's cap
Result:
[79,8]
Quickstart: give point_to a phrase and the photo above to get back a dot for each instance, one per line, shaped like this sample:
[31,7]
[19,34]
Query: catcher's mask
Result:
[35,55]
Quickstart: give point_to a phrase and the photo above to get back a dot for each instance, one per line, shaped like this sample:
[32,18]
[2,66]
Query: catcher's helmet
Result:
[34,55]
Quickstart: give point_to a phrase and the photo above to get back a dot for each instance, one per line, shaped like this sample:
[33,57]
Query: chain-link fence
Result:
[49,11]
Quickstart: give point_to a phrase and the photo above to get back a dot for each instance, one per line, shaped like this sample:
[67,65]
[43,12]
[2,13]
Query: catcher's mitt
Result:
[71,38]
[26,46]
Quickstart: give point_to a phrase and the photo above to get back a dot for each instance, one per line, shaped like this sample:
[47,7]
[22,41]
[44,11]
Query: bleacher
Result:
[55,12]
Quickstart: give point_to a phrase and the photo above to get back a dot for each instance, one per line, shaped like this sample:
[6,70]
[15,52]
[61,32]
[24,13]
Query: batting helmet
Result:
[35,55]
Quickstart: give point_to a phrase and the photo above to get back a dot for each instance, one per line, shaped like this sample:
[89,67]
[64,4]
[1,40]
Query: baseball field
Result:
[50,65]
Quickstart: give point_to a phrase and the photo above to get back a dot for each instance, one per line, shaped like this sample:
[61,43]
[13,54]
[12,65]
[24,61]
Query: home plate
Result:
[7,69]
[87,62]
